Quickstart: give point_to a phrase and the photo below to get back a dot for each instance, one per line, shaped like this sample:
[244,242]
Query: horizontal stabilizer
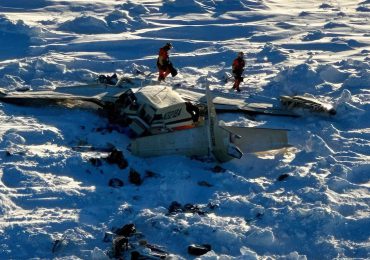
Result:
[253,140]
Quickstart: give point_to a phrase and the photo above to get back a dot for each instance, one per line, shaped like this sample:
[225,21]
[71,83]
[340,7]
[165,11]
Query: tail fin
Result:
[219,139]
[212,121]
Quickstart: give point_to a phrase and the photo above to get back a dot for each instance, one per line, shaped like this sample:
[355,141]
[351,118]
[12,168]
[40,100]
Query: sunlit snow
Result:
[310,201]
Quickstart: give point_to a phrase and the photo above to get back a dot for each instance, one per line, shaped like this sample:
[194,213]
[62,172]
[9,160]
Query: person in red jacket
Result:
[238,69]
[164,65]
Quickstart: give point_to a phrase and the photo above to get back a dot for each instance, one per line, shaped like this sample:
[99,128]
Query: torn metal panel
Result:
[309,103]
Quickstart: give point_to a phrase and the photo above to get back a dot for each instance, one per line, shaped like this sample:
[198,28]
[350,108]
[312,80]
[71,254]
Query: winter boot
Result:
[161,78]
[236,85]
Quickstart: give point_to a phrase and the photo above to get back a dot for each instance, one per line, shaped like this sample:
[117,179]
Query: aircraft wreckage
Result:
[167,121]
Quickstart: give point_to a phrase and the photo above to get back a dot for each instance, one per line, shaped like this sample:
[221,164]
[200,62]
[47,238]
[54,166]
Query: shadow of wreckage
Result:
[162,118]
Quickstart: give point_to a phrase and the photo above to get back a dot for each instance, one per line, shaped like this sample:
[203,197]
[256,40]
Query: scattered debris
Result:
[135,255]
[204,184]
[190,208]
[12,152]
[128,244]
[258,216]
[325,6]
[96,162]
[212,206]
[109,80]
[176,207]
[120,244]
[90,148]
[199,250]
[127,230]
[57,245]
[150,174]
[108,237]
[135,177]
[116,157]
[218,169]
[114,122]
[155,252]
[283,177]
[115,183]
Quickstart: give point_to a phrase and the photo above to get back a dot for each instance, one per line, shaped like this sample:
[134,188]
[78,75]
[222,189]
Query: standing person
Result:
[238,69]
[164,65]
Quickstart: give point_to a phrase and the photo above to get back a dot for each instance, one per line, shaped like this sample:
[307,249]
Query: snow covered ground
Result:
[50,192]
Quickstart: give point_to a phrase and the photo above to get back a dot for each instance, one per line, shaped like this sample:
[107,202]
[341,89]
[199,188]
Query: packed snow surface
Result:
[311,201]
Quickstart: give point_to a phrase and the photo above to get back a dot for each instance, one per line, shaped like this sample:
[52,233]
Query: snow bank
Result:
[121,20]
[124,18]
[331,73]
[331,25]
[316,144]
[135,9]
[312,78]
[182,6]
[203,229]
[326,6]
[271,54]
[360,73]
[237,5]
[296,80]
[31,73]
[363,6]
[85,24]
[13,28]
[40,73]
[360,80]
[217,6]
[12,82]
[25,3]
[117,17]
[6,204]
[16,37]
[9,26]
[314,35]
[248,253]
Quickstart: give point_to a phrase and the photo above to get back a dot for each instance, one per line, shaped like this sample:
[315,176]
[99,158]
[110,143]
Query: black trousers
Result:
[238,75]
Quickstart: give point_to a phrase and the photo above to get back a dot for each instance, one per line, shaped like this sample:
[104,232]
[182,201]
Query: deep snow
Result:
[50,191]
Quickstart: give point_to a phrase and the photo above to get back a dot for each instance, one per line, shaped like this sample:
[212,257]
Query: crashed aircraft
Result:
[162,118]
[210,138]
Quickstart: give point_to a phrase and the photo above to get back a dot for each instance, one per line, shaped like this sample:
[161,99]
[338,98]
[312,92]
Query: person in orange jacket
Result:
[238,69]
[164,65]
